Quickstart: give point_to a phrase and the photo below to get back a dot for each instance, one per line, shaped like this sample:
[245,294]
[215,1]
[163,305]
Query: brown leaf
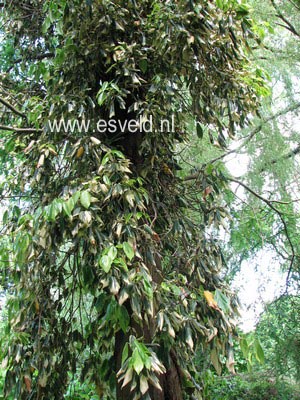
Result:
[80,152]
[167,170]
[29,147]
[214,357]
[37,306]
[207,191]
[27,381]
[209,297]
[156,237]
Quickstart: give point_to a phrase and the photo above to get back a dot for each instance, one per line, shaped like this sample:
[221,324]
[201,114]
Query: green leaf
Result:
[100,302]
[137,362]
[85,199]
[222,300]
[112,253]
[143,350]
[54,209]
[220,4]
[22,247]
[259,353]
[123,318]
[68,206]
[118,153]
[128,250]
[199,130]
[148,229]
[125,353]
[103,93]
[148,288]
[59,28]
[76,196]
[105,159]
[5,217]
[106,180]
[121,262]
[105,263]
[244,347]
[46,25]
[88,276]
[143,64]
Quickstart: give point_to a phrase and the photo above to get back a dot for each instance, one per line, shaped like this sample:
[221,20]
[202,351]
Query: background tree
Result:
[267,214]
[278,329]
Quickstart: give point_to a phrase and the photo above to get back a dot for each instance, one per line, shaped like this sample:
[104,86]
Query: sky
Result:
[259,282]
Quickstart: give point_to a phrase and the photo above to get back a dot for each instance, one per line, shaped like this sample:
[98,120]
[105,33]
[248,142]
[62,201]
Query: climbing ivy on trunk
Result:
[115,270]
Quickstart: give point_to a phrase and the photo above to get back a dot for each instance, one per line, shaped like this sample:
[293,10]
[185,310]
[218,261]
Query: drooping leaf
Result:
[137,362]
[259,353]
[85,199]
[68,206]
[128,250]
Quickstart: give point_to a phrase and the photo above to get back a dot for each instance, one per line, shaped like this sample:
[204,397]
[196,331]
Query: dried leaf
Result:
[209,297]
[27,381]
[80,152]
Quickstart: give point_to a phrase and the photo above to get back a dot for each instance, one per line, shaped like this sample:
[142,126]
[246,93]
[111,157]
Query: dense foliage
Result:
[109,278]
[250,387]
[279,330]
[110,254]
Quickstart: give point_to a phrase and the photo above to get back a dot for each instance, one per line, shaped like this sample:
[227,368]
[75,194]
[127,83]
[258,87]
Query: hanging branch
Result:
[255,131]
[258,128]
[270,204]
[279,213]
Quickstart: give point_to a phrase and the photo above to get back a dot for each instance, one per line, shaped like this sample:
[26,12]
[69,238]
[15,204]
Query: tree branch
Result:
[20,130]
[290,154]
[279,213]
[12,108]
[288,25]
[294,4]
[37,57]
[258,128]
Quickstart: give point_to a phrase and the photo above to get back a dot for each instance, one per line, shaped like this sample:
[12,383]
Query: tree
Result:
[278,328]
[266,217]
[115,270]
